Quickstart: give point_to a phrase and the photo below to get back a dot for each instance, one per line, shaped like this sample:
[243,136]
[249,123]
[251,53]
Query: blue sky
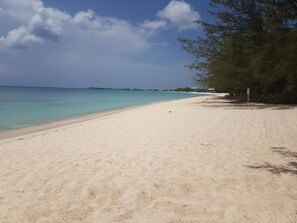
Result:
[102,43]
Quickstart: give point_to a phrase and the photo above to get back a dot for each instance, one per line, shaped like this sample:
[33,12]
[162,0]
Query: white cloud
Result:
[107,34]
[20,9]
[87,20]
[19,38]
[82,50]
[154,25]
[177,14]
[45,23]
[180,14]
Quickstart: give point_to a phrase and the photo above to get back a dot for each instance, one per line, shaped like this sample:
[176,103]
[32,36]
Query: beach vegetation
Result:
[251,44]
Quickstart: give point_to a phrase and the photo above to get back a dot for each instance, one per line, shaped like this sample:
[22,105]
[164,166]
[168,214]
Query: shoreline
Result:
[70,121]
[61,123]
[41,124]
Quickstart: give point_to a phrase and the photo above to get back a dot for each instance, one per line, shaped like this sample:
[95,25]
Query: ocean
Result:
[22,107]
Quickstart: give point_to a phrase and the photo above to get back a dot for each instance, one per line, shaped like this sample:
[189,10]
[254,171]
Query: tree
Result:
[253,43]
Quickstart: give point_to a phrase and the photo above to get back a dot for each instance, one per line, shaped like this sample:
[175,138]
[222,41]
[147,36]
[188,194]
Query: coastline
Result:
[189,160]
[61,123]
[49,105]
[69,121]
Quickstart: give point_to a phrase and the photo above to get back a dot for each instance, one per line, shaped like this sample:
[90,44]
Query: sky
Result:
[98,43]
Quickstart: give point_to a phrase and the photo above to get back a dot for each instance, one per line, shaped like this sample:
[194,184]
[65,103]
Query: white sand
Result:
[208,161]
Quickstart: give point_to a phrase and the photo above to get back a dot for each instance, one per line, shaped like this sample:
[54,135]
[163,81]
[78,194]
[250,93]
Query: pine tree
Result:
[253,43]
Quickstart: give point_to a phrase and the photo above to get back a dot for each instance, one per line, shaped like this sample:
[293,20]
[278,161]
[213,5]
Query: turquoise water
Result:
[27,106]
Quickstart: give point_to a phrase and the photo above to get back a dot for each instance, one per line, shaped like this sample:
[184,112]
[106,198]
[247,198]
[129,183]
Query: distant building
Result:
[211,89]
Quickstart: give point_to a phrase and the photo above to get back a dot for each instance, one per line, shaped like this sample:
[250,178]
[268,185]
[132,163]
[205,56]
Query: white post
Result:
[248,95]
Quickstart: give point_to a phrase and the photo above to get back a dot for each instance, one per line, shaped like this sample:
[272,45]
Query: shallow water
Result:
[28,106]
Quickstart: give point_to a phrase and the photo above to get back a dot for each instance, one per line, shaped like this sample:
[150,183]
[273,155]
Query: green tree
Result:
[253,43]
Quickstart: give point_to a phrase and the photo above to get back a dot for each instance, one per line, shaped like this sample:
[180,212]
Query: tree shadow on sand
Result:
[222,102]
[289,168]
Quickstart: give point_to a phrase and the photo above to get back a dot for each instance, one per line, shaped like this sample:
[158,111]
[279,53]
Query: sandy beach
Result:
[201,159]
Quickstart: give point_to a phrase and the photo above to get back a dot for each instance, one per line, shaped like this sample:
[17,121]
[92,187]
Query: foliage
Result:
[252,44]
[186,89]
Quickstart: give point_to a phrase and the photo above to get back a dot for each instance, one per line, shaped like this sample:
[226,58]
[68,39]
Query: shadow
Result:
[276,169]
[284,151]
[289,168]
[293,164]
[222,102]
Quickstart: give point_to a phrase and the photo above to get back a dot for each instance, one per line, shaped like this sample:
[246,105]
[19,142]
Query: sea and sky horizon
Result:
[105,43]
[51,51]
[22,107]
